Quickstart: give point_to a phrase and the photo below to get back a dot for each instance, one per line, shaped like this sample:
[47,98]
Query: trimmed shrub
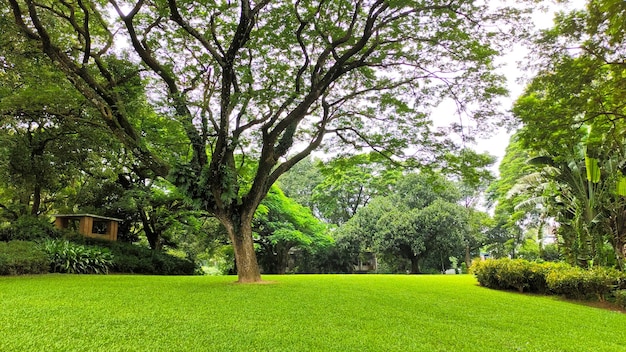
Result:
[72,258]
[511,274]
[548,278]
[485,272]
[567,282]
[22,257]
[601,281]
[581,284]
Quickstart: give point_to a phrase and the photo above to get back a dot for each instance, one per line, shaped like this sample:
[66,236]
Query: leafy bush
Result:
[537,281]
[22,257]
[580,283]
[567,282]
[601,281]
[507,274]
[72,258]
[136,259]
[29,228]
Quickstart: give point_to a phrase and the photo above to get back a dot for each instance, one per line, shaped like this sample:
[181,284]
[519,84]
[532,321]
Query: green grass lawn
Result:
[296,313]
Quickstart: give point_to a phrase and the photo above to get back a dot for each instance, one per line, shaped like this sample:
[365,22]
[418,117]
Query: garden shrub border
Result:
[22,258]
[551,278]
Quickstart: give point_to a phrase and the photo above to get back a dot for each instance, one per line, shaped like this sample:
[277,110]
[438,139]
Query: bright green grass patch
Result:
[297,313]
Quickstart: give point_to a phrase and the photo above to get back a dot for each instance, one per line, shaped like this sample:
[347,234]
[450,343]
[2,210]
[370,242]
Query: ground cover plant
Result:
[293,313]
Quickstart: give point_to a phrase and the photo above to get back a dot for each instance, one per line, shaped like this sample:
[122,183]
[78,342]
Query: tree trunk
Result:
[153,237]
[415,265]
[468,256]
[282,258]
[36,200]
[240,234]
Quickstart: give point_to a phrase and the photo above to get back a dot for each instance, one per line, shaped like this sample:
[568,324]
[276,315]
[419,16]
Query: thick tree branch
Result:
[176,17]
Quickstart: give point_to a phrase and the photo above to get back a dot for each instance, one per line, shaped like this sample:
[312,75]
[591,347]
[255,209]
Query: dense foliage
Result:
[282,225]
[419,223]
[28,228]
[573,134]
[138,259]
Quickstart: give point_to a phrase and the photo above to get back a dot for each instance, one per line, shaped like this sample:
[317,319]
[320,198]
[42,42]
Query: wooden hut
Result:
[89,225]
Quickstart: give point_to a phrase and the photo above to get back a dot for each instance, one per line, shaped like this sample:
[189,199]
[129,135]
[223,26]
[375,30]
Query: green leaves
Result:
[71,258]
[593,170]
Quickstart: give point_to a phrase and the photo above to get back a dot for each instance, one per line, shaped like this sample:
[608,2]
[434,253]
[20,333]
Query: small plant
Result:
[71,258]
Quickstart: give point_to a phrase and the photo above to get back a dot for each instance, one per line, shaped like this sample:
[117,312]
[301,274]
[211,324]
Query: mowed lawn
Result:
[295,313]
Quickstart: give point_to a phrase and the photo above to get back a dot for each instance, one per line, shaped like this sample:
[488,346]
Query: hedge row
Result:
[22,257]
[551,278]
[27,257]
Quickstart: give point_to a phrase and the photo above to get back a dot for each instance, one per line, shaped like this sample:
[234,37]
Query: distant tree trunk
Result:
[468,256]
[34,211]
[240,234]
[415,265]
[282,258]
[152,235]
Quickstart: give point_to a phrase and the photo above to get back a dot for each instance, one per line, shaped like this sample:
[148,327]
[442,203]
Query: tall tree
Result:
[257,78]
[419,219]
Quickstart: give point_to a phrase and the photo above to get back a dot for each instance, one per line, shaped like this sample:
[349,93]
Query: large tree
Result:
[258,78]
[421,218]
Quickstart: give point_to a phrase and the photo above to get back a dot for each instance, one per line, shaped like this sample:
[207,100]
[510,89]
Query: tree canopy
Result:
[250,80]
